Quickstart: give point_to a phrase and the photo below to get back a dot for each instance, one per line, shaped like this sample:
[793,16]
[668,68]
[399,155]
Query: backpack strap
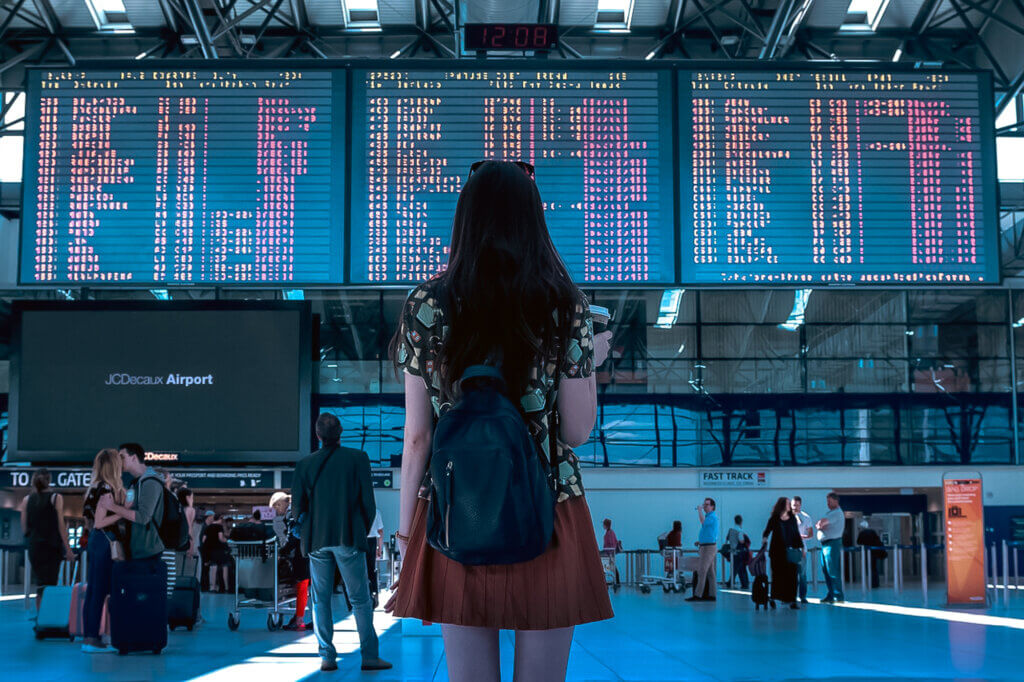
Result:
[482,371]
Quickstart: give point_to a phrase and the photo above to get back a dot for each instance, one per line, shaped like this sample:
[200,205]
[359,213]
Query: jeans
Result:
[101,571]
[830,550]
[801,578]
[352,564]
[740,559]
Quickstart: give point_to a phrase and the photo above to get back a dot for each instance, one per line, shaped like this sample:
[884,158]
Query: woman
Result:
[673,539]
[505,293]
[42,522]
[610,546]
[786,544]
[218,555]
[190,556]
[287,538]
[104,528]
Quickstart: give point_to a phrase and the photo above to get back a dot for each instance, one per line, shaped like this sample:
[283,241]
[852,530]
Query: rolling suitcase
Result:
[183,608]
[138,606]
[54,617]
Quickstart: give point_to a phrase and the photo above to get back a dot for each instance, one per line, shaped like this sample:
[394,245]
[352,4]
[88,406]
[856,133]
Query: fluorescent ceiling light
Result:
[614,14]
[1010,158]
[897,54]
[651,55]
[161,294]
[12,150]
[796,316]
[1019,323]
[396,54]
[361,13]
[110,15]
[1009,115]
[668,311]
[864,15]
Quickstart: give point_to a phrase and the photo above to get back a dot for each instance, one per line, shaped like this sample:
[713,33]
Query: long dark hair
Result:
[507,290]
[780,507]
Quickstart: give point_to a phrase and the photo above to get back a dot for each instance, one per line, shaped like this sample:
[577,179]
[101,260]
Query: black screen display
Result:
[193,385]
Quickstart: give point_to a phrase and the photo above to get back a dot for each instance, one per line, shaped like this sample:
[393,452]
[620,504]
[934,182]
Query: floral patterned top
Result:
[424,330]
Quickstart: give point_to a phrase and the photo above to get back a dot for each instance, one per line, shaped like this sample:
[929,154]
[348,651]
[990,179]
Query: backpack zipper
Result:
[448,504]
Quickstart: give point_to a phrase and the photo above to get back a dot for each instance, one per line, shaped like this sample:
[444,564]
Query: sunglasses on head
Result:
[525,167]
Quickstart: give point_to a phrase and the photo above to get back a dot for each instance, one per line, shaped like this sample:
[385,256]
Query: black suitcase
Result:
[183,607]
[759,592]
[138,607]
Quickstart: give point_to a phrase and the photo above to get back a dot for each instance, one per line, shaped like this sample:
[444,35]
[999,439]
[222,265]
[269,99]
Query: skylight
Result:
[614,14]
[110,15]
[864,15]
[361,13]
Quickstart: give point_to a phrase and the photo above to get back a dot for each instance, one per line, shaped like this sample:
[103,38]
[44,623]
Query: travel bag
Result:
[55,606]
[183,606]
[138,606]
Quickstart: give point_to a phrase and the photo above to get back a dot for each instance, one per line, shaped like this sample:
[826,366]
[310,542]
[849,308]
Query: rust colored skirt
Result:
[562,587]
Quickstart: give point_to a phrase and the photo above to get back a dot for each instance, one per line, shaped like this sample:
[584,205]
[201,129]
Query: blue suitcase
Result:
[138,606]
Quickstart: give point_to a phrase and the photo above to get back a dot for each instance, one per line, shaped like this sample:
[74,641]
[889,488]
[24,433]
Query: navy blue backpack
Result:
[493,495]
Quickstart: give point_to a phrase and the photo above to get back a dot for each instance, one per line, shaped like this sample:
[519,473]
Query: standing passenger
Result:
[806,525]
[707,550]
[785,551]
[333,493]
[505,297]
[42,522]
[104,529]
[739,546]
[830,535]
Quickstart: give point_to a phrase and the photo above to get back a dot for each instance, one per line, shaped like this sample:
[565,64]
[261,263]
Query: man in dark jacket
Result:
[333,495]
[868,537]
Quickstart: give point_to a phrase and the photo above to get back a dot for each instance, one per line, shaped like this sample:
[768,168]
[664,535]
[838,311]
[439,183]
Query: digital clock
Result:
[511,36]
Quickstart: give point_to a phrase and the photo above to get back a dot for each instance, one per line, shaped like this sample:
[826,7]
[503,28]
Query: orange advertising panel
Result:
[965,541]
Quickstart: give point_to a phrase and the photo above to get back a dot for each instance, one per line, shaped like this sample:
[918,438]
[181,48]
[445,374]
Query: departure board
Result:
[601,142]
[183,176]
[829,177]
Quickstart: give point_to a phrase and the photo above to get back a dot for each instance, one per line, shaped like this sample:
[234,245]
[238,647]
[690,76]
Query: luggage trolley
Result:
[677,562]
[264,550]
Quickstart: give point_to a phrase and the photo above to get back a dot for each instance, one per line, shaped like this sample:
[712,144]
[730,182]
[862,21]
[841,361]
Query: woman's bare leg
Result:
[472,653]
[542,655]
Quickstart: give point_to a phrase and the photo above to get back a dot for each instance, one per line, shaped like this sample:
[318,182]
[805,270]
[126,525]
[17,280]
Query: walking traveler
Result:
[106,532]
[506,310]
[215,551]
[806,525]
[42,522]
[785,551]
[333,494]
[739,546]
[610,546]
[830,535]
[290,551]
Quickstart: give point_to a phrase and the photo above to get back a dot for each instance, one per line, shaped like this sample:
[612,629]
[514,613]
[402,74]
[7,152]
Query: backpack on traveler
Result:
[493,495]
[172,526]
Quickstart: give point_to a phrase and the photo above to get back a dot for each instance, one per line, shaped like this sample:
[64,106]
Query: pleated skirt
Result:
[563,587]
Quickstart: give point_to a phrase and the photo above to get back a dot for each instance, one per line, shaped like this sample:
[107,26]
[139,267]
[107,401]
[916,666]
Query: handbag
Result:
[794,555]
[117,551]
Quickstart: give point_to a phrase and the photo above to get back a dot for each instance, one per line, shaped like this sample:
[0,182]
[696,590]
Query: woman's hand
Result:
[602,346]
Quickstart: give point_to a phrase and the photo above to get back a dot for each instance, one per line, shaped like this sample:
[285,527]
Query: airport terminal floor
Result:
[653,637]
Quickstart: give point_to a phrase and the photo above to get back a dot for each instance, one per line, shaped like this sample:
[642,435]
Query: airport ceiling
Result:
[966,33]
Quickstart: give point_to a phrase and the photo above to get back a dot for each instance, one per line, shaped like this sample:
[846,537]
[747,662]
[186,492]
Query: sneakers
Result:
[328,666]
[376,664]
[93,649]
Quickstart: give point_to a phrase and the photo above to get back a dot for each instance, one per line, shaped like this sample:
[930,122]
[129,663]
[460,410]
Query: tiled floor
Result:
[653,637]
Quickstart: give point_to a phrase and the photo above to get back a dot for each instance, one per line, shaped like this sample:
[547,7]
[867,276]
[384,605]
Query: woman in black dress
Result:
[785,536]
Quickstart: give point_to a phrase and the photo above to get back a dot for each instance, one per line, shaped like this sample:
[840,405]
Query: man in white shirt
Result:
[375,550]
[806,525]
[739,548]
[830,534]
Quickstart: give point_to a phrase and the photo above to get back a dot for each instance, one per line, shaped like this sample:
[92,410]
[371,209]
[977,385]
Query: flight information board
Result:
[183,176]
[829,177]
[601,142]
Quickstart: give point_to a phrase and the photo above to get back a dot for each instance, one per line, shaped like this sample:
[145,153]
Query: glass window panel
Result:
[752,376]
[959,341]
[671,376]
[350,376]
[863,375]
[869,307]
[678,341]
[629,435]
[748,341]
[641,307]
[749,306]
[938,433]
[952,306]
[375,429]
[351,326]
[855,341]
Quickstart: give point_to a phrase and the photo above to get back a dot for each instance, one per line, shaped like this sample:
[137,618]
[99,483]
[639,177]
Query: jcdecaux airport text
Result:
[184,380]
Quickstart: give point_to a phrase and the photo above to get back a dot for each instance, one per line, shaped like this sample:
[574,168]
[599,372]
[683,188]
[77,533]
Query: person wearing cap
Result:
[868,537]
